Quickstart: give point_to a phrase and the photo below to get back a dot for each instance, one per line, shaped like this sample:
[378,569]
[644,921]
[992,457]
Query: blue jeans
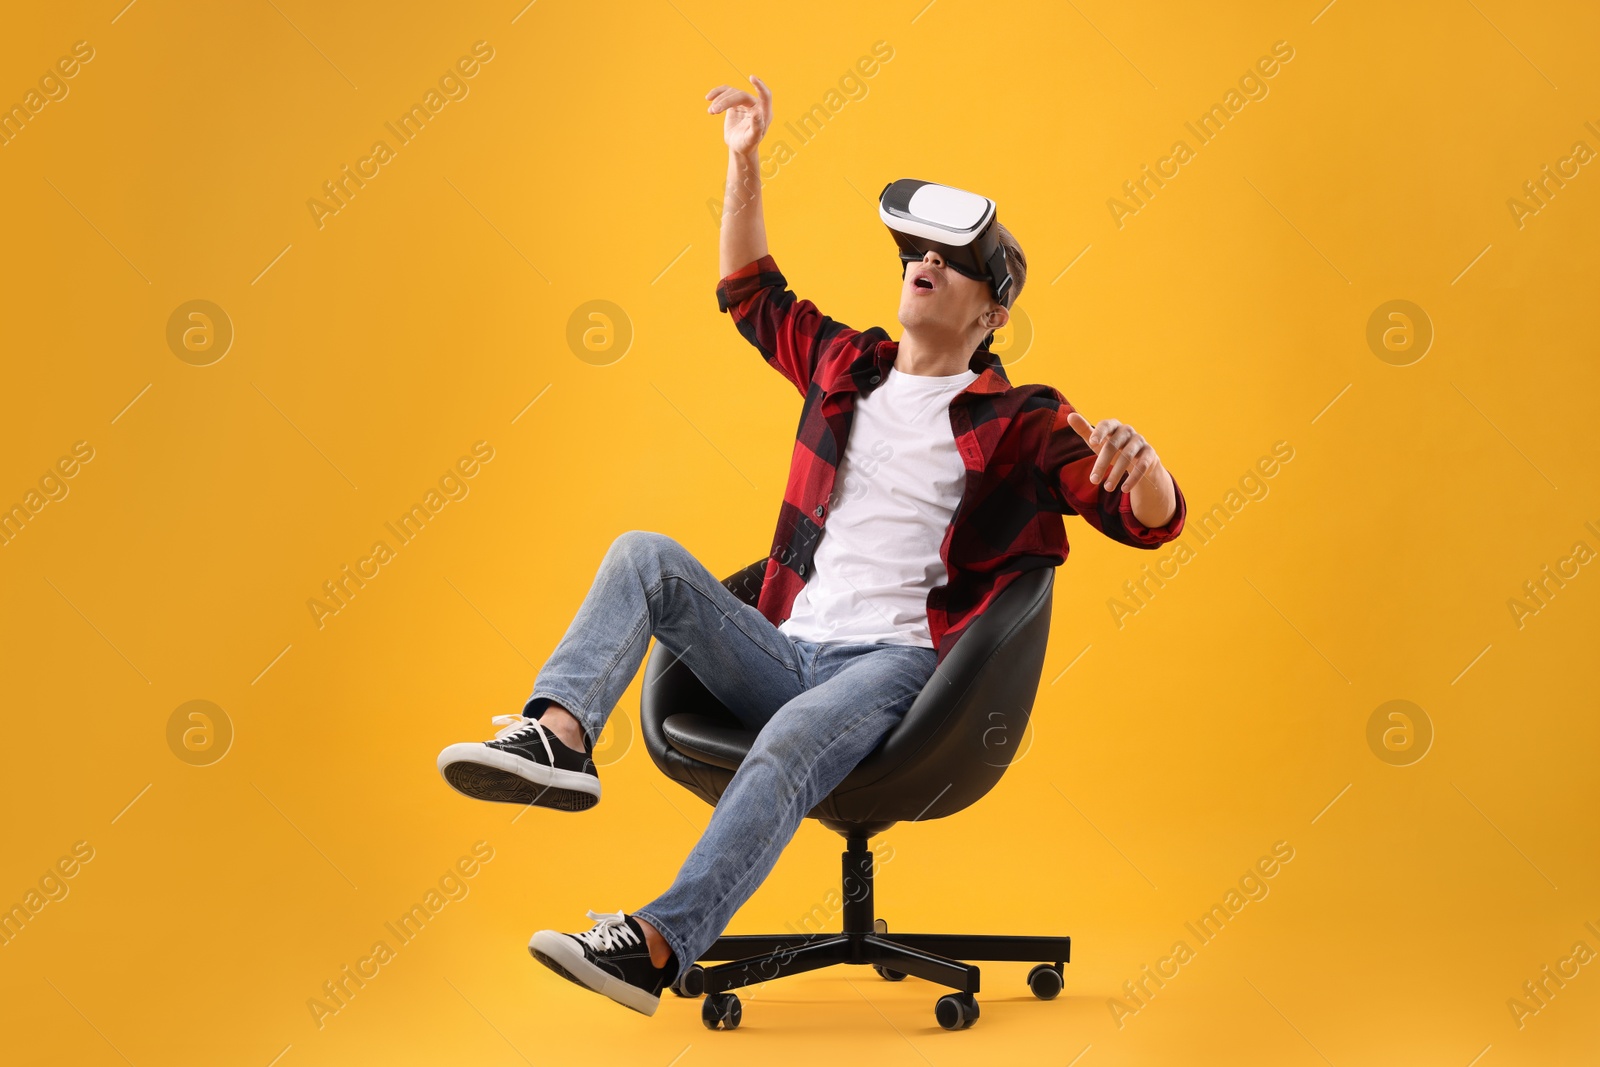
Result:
[819,709]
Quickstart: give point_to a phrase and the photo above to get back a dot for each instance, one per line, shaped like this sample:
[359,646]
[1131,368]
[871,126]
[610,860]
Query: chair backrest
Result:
[954,743]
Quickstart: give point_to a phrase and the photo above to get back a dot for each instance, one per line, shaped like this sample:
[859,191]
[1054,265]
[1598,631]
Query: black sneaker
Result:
[611,958]
[524,764]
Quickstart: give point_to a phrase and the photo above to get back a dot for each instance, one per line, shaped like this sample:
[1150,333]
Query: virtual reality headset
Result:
[960,226]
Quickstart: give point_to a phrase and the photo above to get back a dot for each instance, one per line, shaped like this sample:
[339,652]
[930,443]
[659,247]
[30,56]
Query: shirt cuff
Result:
[748,280]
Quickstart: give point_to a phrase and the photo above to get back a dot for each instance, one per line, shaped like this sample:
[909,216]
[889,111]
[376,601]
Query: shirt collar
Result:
[991,373]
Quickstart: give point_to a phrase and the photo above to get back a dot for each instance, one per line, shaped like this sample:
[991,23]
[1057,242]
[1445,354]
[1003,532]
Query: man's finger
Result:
[1081,424]
[1102,459]
[766,94]
[730,97]
[1125,461]
[1097,473]
[1114,445]
[1137,475]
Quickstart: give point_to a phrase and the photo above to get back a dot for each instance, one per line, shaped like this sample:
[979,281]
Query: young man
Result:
[937,484]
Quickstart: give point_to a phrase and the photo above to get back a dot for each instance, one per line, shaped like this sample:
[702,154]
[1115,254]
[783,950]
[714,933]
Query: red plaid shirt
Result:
[1026,467]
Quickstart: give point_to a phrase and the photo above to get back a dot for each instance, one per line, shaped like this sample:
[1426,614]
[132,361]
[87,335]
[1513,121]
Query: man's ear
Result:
[997,317]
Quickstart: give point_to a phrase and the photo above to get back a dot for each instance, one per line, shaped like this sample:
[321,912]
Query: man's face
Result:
[941,305]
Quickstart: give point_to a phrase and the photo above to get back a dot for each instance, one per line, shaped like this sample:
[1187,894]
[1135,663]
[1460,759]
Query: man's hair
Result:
[1018,265]
[1015,260]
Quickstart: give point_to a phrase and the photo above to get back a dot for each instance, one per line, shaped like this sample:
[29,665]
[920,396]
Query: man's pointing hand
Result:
[1122,452]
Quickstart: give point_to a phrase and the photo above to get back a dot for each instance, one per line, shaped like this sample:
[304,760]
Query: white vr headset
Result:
[960,226]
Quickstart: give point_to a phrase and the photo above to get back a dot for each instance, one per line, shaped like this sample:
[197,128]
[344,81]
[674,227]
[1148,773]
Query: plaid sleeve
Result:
[1064,462]
[790,333]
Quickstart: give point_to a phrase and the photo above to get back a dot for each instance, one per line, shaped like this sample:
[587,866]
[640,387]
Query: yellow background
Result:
[428,314]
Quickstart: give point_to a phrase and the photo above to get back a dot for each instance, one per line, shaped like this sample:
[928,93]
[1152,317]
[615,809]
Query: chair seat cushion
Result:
[708,739]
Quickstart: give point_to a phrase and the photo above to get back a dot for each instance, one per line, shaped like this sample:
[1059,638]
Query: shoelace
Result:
[516,725]
[610,931]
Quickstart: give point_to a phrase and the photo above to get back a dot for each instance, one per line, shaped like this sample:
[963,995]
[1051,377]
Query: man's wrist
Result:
[1156,492]
[744,181]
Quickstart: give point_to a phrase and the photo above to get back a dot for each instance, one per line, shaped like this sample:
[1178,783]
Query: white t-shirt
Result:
[894,493]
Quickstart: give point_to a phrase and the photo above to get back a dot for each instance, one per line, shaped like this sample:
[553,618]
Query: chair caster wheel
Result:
[691,983]
[721,1010]
[1045,981]
[889,974]
[956,1011]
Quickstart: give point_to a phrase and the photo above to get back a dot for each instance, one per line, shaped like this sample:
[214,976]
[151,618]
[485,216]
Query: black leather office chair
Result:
[952,746]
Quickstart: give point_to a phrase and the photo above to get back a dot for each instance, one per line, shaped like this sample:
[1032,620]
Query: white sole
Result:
[564,956]
[473,769]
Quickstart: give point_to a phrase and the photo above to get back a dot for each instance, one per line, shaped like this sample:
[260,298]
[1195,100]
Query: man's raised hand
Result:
[1122,453]
[745,119]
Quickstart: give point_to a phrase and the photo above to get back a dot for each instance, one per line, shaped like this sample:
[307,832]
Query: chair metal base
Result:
[865,940]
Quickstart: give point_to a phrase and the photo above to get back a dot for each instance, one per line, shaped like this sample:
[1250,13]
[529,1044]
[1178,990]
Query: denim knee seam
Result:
[795,796]
[622,649]
[841,736]
[602,677]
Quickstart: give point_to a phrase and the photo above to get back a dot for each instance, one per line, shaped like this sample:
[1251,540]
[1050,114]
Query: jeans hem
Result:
[672,940]
[577,707]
